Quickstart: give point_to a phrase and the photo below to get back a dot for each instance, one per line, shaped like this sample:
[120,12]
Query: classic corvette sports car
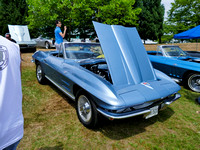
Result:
[44,42]
[176,63]
[121,85]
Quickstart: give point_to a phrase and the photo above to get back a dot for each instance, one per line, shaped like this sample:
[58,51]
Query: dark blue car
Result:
[177,64]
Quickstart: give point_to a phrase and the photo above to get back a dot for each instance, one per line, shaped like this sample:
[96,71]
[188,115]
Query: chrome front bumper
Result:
[144,111]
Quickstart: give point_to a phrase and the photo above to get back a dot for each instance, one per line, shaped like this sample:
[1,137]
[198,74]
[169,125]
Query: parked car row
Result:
[49,43]
[121,85]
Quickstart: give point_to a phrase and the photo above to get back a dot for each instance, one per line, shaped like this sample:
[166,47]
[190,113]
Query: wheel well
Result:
[185,75]
[76,88]
[37,62]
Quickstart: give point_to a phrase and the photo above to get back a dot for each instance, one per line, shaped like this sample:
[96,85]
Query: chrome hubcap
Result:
[198,81]
[47,45]
[39,73]
[194,82]
[84,108]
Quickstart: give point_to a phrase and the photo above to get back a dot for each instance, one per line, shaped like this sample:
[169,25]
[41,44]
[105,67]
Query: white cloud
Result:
[167,5]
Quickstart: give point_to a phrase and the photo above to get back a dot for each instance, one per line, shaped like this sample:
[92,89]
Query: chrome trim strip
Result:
[125,116]
[63,90]
[176,80]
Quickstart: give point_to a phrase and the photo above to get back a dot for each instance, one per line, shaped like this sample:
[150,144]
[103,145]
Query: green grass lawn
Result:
[51,123]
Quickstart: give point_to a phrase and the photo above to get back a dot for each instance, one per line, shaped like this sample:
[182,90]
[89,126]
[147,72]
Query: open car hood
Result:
[20,33]
[125,54]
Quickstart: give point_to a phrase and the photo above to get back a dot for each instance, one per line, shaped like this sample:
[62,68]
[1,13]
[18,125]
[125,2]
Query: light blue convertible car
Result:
[177,64]
[121,85]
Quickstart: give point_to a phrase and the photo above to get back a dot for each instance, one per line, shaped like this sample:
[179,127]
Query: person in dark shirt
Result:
[8,36]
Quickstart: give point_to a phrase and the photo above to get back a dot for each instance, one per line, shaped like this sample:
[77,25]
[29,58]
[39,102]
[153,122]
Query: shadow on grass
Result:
[64,96]
[28,50]
[52,148]
[123,128]
[190,96]
[57,147]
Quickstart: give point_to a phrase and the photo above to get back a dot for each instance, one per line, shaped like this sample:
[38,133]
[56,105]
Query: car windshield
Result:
[83,50]
[174,51]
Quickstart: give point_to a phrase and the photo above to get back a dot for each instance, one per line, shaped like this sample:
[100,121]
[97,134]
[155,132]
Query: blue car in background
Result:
[177,64]
[121,85]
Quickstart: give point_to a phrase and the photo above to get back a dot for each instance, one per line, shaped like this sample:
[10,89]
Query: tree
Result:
[120,12]
[43,13]
[12,12]
[184,14]
[151,19]
[168,32]
[82,16]
[79,14]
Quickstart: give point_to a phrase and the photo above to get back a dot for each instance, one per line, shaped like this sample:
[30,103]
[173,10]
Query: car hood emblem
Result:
[147,85]
[125,54]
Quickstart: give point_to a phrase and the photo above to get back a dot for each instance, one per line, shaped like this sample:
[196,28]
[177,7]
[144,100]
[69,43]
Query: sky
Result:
[167,4]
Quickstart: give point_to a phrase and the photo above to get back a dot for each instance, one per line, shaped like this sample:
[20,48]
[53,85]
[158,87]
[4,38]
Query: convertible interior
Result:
[90,61]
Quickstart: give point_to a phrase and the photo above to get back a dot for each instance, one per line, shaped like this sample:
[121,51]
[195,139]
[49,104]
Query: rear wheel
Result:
[193,82]
[47,45]
[40,74]
[86,110]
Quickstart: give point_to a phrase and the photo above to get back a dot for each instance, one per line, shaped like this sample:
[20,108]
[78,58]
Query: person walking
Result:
[11,117]
[59,35]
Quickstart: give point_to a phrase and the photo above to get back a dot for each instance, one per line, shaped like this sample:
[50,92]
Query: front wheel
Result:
[86,110]
[40,74]
[193,82]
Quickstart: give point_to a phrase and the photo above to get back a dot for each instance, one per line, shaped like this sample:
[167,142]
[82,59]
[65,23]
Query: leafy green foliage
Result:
[12,12]
[79,14]
[151,19]
[184,15]
[43,13]
[82,15]
[119,12]
[168,32]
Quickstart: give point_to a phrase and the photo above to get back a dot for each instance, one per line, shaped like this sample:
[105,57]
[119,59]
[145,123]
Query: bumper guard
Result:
[145,111]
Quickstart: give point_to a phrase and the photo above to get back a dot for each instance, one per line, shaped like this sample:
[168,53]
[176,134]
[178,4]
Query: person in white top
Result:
[11,117]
